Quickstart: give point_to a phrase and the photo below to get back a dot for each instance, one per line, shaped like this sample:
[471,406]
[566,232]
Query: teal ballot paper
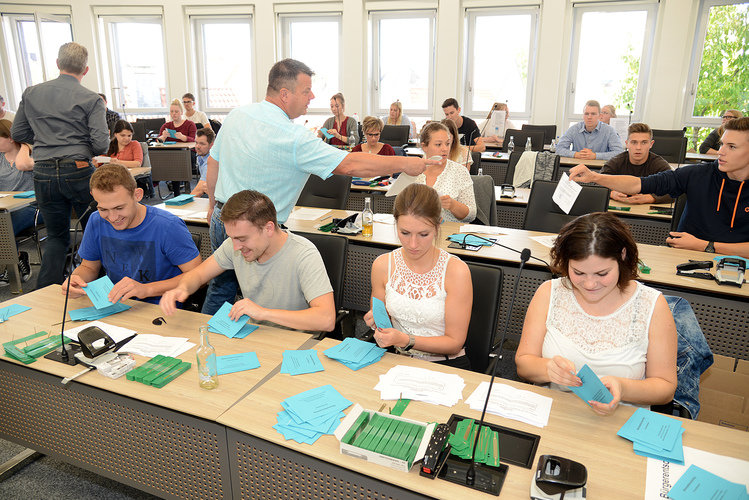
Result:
[650,428]
[675,455]
[299,362]
[11,310]
[98,290]
[699,484]
[172,133]
[592,388]
[222,324]
[325,132]
[232,363]
[381,318]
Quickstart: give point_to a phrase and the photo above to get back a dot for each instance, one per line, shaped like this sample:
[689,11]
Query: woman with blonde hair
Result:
[340,126]
[182,130]
[607,113]
[396,117]
[458,152]
[489,132]
[372,128]
[711,144]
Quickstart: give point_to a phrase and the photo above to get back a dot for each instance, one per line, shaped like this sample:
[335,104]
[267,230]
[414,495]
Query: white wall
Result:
[675,28]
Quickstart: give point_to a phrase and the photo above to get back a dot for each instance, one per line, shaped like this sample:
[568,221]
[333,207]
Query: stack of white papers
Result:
[477,228]
[422,385]
[183,213]
[508,402]
[306,213]
[150,345]
[117,333]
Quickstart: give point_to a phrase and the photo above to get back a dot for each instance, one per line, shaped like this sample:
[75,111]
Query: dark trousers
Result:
[60,186]
[223,288]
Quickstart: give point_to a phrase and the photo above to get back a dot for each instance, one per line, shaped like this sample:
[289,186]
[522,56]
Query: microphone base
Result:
[488,479]
[72,350]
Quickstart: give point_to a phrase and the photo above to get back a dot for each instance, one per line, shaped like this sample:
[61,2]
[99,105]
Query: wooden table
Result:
[8,249]
[699,158]
[176,145]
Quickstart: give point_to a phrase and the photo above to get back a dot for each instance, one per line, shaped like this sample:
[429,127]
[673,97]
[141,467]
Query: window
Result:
[501,59]
[719,77]
[135,64]
[35,40]
[315,39]
[611,56]
[224,78]
[403,47]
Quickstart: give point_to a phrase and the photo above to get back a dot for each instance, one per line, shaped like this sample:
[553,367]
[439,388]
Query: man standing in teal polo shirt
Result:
[260,148]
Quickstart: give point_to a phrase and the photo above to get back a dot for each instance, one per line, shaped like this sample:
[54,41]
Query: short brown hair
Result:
[639,128]
[429,129]
[419,200]
[284,74]
[592,104]
[252,206]
[189,96]
[738,124]
[206,132]
[601,234]
[5,126]
[372,123]
[107,177]
[450,101]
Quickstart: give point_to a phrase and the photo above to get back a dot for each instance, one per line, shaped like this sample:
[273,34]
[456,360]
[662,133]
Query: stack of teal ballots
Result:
[387,436]
[182,199]
[158,371]
[29,353]
[461,442]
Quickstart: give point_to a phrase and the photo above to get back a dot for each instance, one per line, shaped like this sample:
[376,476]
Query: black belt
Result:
[219,204]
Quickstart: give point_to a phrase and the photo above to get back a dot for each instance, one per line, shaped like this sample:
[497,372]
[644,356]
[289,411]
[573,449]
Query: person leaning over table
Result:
[340,126]
[450,179]
[637,160]
[598,314]
[122,148]
[590,139]
[143,249]
[184,129]
[711,144]
[192,113]
[372,128]
[260,148]
[716,217]
[397,117]
[458,152]
[427,292]
[282,275]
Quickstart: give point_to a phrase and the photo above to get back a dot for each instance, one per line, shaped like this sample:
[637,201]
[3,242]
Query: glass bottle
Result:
[367,218]
[481,171]
[528,145]
[206,354]
[511,145]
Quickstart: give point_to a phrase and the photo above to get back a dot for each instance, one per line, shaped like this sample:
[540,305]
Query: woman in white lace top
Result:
[451,180]
[597,314]
[427,292]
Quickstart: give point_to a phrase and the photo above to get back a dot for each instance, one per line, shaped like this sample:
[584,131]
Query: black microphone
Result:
[63,354]
[481,134]
[471,472]
[629,107]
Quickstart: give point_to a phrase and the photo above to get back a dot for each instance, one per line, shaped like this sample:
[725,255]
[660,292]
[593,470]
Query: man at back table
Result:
[637,160]
[590,139]
[66,124]
[260,148]
[716,217]
[282,275]
[468,131]
[143,249]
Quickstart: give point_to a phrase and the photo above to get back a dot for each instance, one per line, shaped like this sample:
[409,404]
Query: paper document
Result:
[384,218]
[566,193]
[592,388]
[223,324]
[401,183]
[301,361]
[651,428]
[620,125]
[150,345]
[102,159]
[508,402]
[478,228]
[231,363]
[92,313]
[422,385]
[546,240]
[380,313]
[306,213]
[98,291]
[325,132]
[117,333]
[355,353]
[11,310]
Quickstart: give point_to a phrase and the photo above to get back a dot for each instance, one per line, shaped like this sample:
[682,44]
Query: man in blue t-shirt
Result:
[143,249]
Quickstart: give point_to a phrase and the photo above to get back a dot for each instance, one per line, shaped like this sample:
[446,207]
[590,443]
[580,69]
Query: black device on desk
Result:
[507,191]
[558,478]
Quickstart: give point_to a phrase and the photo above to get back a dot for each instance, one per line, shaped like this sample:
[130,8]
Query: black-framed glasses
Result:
[375,134]
[728,117]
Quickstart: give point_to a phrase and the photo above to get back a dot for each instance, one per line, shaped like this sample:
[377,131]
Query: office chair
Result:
[395,135]
[151,124]
[520,136]
[542,214]
[171,165]
[476,157]
[679,206]
[668,133]
[550,131]
[671,149]
[538,172]
[332,192]
[486,201]
[487,291]
[139,131]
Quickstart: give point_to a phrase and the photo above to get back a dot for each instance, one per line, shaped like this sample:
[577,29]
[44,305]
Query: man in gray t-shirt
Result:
[282,276]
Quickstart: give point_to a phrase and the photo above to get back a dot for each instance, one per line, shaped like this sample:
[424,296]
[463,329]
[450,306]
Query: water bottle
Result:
[481,171]
[367,218]
[206,354]
[553,146]
[528,145]
[496,131]
[511,145]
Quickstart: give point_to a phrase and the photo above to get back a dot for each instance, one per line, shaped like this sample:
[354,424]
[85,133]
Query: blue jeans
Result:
[223,288]
[23,219]
[60,186]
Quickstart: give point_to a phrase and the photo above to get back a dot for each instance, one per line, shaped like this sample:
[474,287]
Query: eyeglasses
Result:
[187,102]
[728,117]
[375,134]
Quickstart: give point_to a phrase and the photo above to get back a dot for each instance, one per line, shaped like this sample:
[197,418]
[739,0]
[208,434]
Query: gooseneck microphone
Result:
[481,134]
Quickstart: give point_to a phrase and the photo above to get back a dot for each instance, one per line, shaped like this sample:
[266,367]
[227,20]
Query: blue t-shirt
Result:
[150,252]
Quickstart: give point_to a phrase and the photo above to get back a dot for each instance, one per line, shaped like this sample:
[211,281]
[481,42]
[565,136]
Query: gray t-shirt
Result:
[289,280]
[12,179]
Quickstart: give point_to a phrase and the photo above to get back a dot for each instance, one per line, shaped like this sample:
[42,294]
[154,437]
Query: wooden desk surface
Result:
[10,203]
[197,205]
[661,259]
[139,171]
[697,157]
[176,145]
[183,393]
[574,431]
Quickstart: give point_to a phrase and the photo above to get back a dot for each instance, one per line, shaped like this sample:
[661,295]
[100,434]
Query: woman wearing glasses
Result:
[372,128]
[711,145]
[427,292]
[196,116]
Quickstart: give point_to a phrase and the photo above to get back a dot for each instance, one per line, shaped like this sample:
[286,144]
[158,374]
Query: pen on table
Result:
[326,218]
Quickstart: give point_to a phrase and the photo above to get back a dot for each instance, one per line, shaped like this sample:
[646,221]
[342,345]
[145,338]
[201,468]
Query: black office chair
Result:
[395,135]
[515,158]
[550,131]
[486,201]
[151,124]
[519,137]
[334,252]
[171,165]
[669,133]
[139,131]
[332,192]
[671,149]
[215,125]
[32,233]
[679,206]
[195,301]
[476,157]
[542,214]
[487,291]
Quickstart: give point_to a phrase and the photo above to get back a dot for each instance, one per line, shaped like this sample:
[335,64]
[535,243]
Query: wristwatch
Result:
[411,342]
[710,248]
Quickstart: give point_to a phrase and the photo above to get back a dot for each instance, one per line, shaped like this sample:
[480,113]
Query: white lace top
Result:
[416,302]
[615,344]
[455,182]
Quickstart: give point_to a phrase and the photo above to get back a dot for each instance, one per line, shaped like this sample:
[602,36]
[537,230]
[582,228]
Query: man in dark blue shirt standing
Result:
[67,125]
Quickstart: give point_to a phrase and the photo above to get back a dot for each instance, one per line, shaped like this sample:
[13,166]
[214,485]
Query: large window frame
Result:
[375,16]
[651,7]
[472,14]
[689,119]
[196,23]
[284,47]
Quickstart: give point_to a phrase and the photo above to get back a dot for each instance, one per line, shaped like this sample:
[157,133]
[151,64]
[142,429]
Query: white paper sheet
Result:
[117,333]
[661,476]
[102,159]
[421,384]
[566,193]
[620,125]
[150,345]
[546,240]
[478,228]
[384,218]
[508,402]
[307,213]
[400,184]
